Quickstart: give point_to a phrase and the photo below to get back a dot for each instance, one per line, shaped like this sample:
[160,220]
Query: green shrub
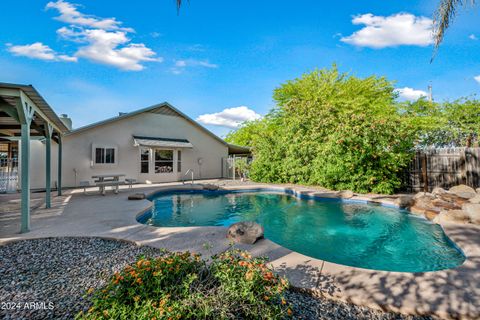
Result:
[232,285]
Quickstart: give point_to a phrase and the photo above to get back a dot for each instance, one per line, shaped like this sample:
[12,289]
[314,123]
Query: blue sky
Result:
[219,61]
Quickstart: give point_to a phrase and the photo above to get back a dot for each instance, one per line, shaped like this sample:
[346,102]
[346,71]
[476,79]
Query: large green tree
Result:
[331,129]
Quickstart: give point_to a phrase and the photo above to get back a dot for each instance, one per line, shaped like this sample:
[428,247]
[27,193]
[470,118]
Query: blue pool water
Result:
[344,232]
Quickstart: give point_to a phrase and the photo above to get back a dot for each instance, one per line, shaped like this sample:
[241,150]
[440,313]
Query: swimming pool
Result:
[340,231]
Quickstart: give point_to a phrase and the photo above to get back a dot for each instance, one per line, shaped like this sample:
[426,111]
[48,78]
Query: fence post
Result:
[425,173]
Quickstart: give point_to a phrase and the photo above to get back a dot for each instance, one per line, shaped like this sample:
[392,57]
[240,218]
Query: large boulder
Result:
[445,204]
[463,191]
[438,191]
[247,232]
[404,201]
[475,199]
[473,211]
[431,214]
[453,198]
[456,216]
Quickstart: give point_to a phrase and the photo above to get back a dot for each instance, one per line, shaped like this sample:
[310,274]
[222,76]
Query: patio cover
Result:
[161,142]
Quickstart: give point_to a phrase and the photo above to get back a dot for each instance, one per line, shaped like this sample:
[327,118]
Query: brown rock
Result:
[404,201]
[475,199]
[137,196]
[247,232]
[473,211]
[423,202]
[418,211]
[463,191]
[438,191]
[431,214]
[445,204]
[456,216]
[453,198]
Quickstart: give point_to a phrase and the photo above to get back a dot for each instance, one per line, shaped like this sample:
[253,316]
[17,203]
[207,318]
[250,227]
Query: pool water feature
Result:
[340,231]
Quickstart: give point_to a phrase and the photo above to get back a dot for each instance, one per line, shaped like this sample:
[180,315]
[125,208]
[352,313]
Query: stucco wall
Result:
[77,150]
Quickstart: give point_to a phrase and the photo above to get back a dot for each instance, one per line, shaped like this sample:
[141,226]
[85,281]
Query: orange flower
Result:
[136,298]
[284,302]
[289,311]
[249,275]
[139,280]
[266,298]
[90,290]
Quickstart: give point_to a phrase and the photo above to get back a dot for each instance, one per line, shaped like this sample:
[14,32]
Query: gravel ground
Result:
[56,272]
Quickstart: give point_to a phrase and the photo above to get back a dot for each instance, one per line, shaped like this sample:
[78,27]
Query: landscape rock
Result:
[345,194]
[137,196]
[475,199]
[477,190]
[424,202]
[210,187]
[247,232]
[453,198]
[445,204]
[438,191]
[457,216]
[404,201]
[463,191]
[473,211]
[431,214]
[422,194]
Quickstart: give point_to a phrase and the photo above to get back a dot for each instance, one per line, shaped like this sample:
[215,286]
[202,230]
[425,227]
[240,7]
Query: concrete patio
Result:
[450,294]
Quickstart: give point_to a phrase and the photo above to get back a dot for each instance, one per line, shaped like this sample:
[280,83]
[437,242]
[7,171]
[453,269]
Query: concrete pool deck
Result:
[449,294]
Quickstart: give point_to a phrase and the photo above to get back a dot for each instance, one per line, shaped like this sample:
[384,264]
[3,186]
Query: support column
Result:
[25,179]
[25,115]
[59,166]
[48,165]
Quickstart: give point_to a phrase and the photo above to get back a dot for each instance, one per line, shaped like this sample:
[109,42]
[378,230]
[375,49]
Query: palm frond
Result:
[443,17]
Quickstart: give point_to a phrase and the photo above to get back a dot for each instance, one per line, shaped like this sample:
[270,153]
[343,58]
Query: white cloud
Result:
[101,40]
[40,51]
[69,14]
[410,93]
[395,30]
[181,65]
[472,37]
[230,117]
[477,78]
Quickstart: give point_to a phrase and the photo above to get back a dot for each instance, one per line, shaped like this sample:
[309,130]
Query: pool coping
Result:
[449,294]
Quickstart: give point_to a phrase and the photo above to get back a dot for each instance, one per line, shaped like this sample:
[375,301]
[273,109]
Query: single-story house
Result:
[151,145]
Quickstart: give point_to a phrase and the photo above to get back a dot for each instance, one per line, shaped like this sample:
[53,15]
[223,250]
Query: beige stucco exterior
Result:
[205,158]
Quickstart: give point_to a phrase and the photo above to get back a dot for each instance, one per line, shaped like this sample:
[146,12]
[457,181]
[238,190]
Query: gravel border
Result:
[58,271]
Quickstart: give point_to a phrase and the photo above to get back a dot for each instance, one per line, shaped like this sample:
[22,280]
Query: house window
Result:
[163,161]
[144,160]
[179,161]
[105,155]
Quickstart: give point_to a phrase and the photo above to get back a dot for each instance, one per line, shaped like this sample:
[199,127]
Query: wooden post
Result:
[425,173]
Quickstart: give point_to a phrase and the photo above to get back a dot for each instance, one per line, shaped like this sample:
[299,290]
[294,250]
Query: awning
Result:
[161,142]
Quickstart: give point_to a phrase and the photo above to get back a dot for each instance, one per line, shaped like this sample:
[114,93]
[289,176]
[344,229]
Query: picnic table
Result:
[104,180]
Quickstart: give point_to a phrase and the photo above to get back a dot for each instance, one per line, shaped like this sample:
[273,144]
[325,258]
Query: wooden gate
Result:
[443,167]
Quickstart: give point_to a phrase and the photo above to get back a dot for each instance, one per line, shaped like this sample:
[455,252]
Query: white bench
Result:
[114,184]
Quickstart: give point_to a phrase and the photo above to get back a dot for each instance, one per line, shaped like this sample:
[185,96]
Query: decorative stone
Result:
[418,211]
[473,211]
[431,214]
[404,201]
[424,202]
[463,191]
[422,194]
[247,232]
[438,191]
[137,196]
[445,204]
[475,199]
[477,190]
[453,198]
[345,194]
[456,216]
[210,187]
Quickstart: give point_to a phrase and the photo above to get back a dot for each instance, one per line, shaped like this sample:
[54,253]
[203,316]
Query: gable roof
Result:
[165,105]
